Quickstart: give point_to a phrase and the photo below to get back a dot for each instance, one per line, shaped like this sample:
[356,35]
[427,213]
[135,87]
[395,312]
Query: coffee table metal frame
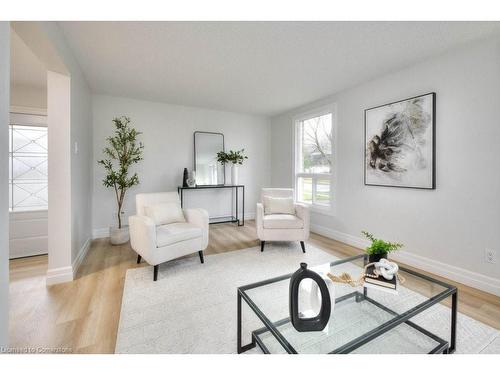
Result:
[443,346]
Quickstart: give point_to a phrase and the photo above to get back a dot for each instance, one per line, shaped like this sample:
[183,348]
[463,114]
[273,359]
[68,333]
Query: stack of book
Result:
[380,282]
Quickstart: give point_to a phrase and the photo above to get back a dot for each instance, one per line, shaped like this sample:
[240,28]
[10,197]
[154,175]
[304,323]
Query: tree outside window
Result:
[314,162]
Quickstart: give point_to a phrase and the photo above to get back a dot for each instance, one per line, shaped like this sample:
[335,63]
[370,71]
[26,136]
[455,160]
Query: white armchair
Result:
[282,226]
[161,243]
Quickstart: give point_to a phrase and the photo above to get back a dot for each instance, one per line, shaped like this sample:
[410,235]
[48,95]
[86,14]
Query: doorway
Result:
[28,185]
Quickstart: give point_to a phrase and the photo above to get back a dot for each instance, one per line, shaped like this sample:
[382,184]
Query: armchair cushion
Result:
[176,232]
[165,213]
[282,221]
[275,205]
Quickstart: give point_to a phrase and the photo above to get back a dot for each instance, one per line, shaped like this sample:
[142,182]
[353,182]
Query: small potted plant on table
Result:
[235,158]
[379,248]
[123,150]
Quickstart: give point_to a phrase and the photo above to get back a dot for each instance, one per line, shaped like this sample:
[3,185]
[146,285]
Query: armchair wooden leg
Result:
[262,243]
[155,273]
[200,253]
[303,246]
[138,259]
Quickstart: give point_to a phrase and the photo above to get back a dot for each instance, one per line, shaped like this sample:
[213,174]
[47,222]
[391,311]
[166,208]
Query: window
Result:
[28,188]
[314,160]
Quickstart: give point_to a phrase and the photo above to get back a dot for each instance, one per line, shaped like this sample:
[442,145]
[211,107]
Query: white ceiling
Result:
[26,69]
[253,67]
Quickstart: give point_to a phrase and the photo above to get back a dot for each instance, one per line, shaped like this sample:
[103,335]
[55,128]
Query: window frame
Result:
[329,209]
[35,120]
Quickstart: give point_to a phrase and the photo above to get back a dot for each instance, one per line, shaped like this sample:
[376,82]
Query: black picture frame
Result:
[433,132]
[194,155]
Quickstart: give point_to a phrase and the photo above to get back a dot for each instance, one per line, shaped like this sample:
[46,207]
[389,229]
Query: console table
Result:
[225,219]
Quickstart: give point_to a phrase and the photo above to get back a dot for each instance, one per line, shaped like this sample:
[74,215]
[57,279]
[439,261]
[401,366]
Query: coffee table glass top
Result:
[364,319]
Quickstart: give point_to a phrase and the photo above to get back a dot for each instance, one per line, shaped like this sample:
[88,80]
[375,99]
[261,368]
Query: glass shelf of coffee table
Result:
[365,320]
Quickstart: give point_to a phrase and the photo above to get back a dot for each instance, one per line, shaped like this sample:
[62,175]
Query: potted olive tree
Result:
[236,158]
[379,248]
[122,152]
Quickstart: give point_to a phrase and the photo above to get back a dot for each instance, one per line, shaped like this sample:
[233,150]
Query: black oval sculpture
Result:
[319,322]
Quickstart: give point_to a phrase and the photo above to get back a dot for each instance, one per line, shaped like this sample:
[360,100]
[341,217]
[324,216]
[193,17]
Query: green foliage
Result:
[235,157]
[379,246]
[308,163]
[122,152]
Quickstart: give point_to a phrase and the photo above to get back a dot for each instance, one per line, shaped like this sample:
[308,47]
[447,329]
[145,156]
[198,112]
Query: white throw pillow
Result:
[278,206]
[165,213]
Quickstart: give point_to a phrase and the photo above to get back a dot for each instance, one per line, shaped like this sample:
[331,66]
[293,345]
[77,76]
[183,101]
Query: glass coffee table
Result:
[364,320]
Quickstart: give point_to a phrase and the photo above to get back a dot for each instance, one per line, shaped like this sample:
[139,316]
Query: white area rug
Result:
[192,307]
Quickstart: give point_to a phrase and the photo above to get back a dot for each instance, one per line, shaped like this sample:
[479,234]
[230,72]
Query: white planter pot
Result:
[234,174]
[118,236]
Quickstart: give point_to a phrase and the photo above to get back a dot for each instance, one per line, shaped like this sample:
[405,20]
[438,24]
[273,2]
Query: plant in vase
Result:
[122,152]
[236,158]
[379,248]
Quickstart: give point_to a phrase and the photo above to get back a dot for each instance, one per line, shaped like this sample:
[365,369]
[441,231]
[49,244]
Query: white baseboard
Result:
[104,232]
[66,274]
[81,256]
[340,236]
[250,216]
[100,233]
[59,275]
[460,275]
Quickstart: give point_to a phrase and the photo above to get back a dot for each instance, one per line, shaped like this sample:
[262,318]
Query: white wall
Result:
[59,186]
[28,96]
[80,133]
[28,233]
[445,230]
[168,149]
[48,43]
[4,178]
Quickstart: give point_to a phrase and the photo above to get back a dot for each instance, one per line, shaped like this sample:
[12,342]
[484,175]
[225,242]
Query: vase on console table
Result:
[191,181]
[234,174]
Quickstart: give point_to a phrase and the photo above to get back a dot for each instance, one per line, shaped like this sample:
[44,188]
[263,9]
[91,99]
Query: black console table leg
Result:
[243,204]
[237,203]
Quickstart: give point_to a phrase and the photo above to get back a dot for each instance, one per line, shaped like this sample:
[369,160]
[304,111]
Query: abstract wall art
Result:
[400,143]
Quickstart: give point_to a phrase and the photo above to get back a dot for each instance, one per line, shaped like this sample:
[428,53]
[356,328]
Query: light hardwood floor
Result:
[83,315]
